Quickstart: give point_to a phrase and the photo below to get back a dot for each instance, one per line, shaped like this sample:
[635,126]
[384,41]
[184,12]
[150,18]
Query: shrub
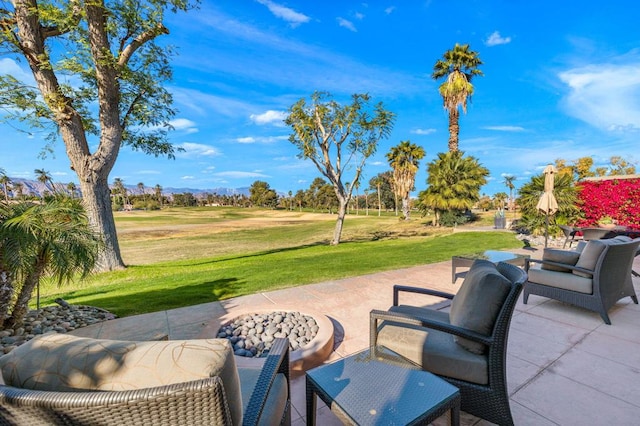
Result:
[617,199]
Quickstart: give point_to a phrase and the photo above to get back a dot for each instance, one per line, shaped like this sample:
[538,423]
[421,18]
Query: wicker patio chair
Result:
[594,279]
[570,235]
[232,397]
[468,346]
[589,234]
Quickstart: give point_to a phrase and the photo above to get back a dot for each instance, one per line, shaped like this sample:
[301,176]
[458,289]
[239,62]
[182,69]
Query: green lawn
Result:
[288,249]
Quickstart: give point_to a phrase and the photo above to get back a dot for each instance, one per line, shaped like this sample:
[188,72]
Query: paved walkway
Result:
[565,366]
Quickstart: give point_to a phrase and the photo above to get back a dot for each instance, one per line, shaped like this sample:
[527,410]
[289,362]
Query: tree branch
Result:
[56,30]
[139,41]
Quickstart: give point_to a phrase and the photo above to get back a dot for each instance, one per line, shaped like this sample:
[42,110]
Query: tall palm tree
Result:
[508,181]
[121,190]
[376,183]
[48,239]
[19,188]
[43,176]
[5,181]
[499,199]
[158,192]
[454,184]
[458,65]
[142,191]
[404,159]
[71,187]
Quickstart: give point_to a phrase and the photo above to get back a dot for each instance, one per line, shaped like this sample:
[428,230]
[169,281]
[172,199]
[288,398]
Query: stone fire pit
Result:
[251,333]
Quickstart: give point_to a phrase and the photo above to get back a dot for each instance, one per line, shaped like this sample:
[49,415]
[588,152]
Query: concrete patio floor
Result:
[565,366]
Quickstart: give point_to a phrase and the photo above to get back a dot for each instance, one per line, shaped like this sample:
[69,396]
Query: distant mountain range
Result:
[37,188]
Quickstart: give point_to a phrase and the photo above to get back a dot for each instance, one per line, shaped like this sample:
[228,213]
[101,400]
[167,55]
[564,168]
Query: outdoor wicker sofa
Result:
[60,379]
[594,278]
[468,346]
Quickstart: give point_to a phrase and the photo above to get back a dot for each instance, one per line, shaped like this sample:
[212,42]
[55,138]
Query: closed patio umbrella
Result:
[547,203]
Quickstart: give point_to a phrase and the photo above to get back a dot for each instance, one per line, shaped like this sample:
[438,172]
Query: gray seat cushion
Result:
[277,398]
[433,350]
[562,280]
[478,302]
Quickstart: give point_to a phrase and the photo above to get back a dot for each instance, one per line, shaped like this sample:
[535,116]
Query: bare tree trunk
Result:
[6,294]
[406,207]
[395,199]
[91,169]
[21,305]
[454,129]
[97,201]
[342,211]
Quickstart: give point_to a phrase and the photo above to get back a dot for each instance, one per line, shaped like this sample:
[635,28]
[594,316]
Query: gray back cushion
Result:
[478,302]
[589,257]
[567,257]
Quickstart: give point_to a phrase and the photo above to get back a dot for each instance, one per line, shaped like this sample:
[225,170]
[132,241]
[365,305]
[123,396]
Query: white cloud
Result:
[11,67]
[359,16]
[389,10]
[606,96]
[290,64]
[261,139]
[423,131]
[378,163]
[196,150]
[183,124]
[495,39]
[269,117]
[187,177]
[240,175]
[347,24]
[505,128]
[148,172]
[291,16]
[205,103]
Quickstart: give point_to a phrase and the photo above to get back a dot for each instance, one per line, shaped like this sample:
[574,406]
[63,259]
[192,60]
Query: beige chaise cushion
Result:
[62,362]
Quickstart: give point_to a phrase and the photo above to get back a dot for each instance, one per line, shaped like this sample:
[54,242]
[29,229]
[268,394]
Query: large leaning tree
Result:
[404,159]
[459,65]
[99,76]
[338,139]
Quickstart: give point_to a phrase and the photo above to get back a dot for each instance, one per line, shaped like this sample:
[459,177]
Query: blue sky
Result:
[561,80]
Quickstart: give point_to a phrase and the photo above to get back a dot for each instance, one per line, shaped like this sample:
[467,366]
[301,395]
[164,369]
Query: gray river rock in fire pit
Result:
[253,334]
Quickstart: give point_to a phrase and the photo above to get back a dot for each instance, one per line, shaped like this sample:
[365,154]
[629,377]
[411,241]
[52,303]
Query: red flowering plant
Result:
[618,199]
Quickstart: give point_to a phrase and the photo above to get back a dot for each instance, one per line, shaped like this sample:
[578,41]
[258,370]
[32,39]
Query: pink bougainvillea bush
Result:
[618,199]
